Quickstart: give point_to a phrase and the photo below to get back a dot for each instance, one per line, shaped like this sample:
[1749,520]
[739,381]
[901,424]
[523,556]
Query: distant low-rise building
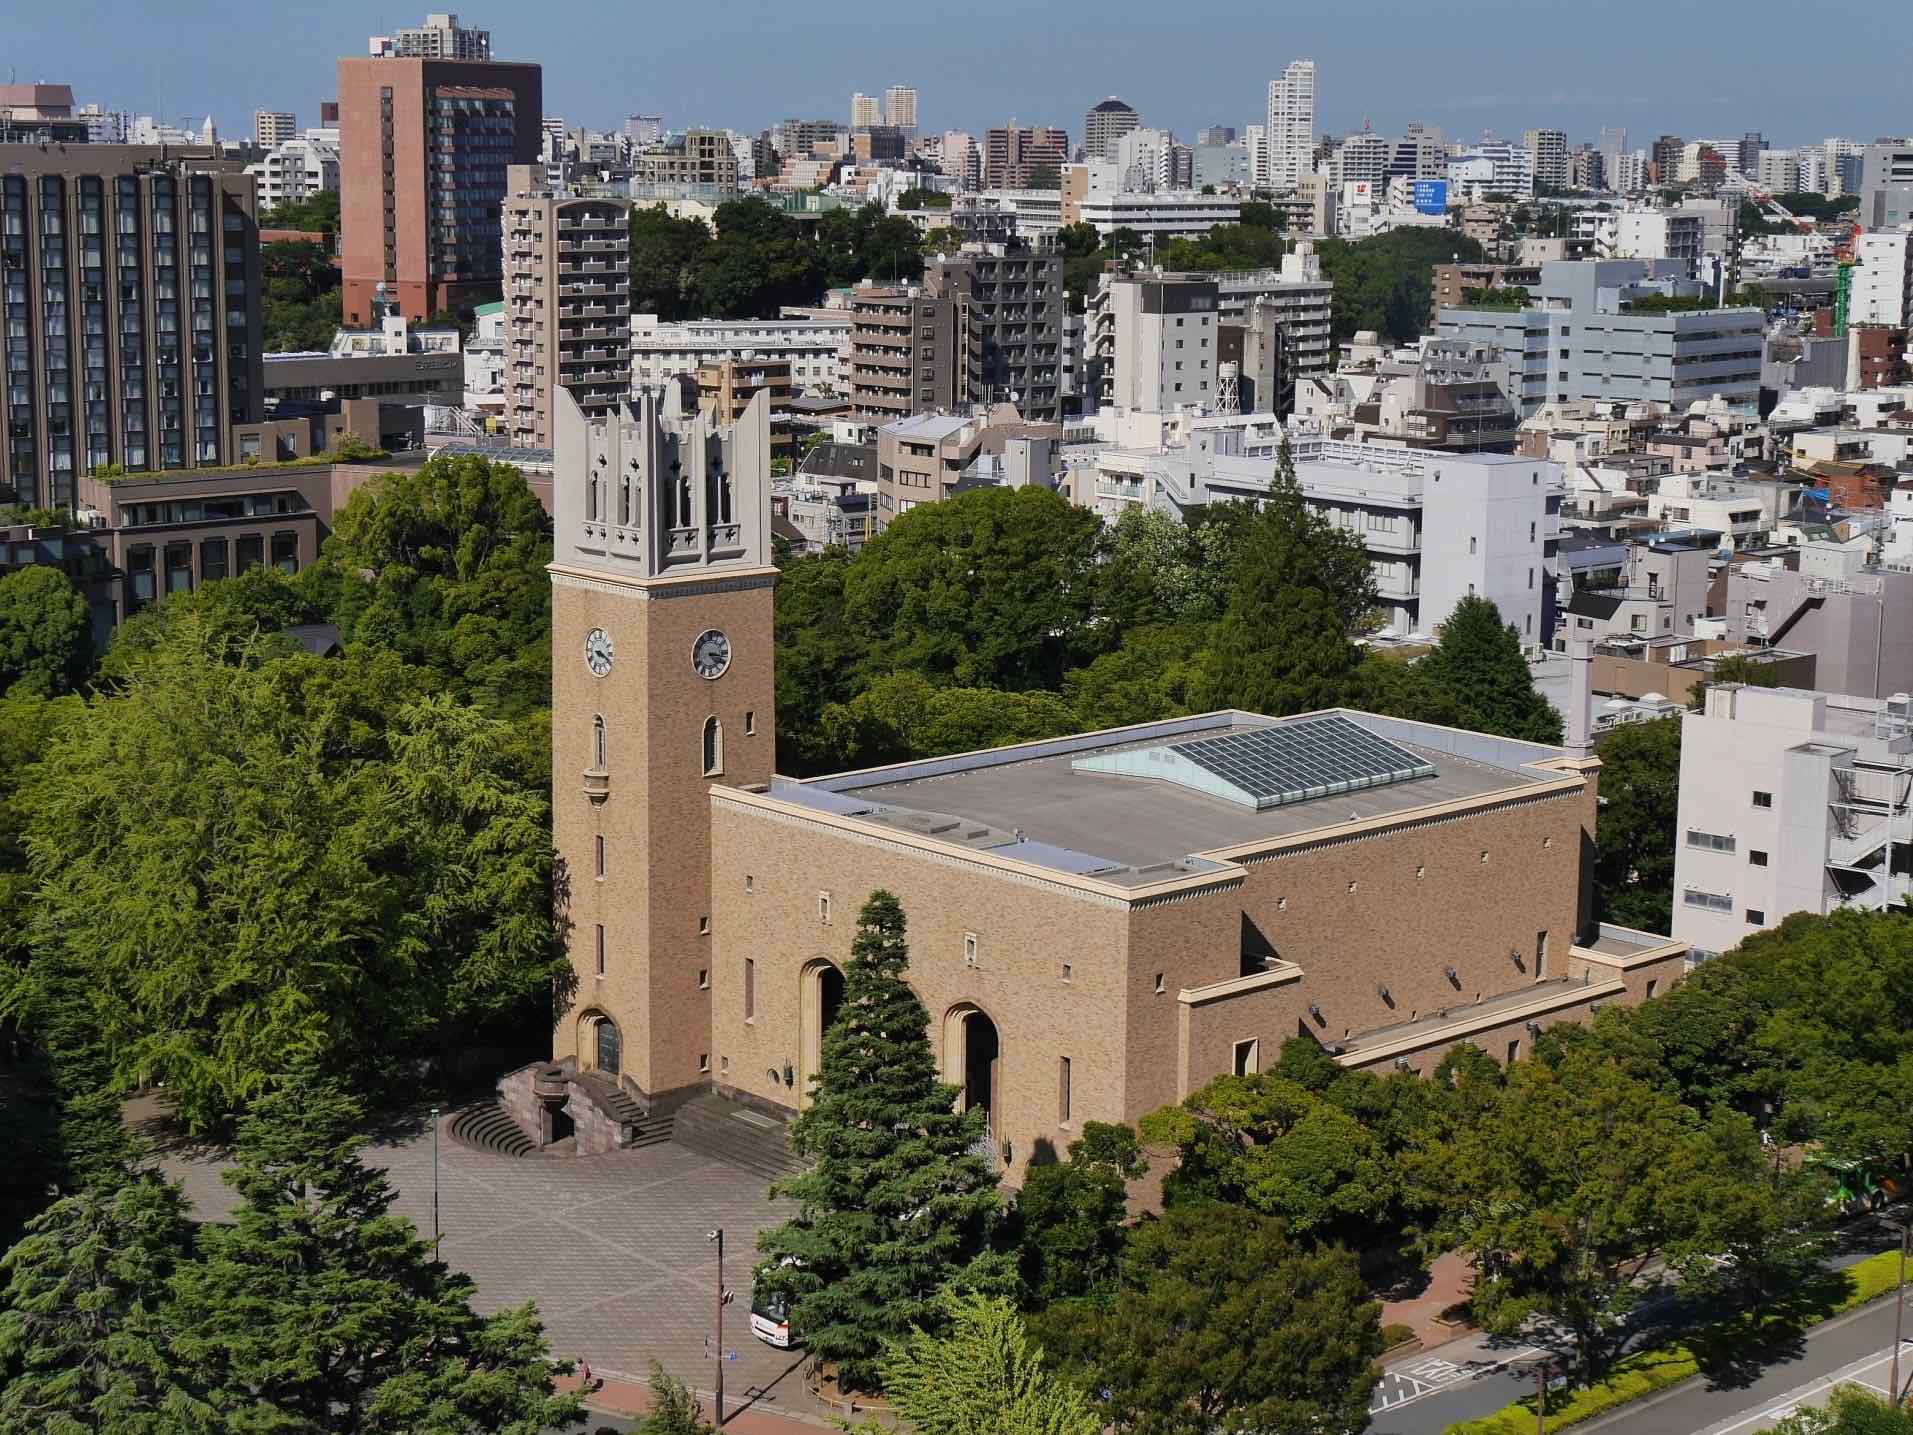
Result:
[816,347]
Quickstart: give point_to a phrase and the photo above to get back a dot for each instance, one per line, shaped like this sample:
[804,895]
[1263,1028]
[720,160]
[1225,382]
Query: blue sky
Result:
[1692,68]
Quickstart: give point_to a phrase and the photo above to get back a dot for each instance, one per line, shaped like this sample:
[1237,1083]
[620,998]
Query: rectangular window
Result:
[285,552]
[750,724]
[601,949]
[1247,1061]
[704,979]
[1062,1090]
[1514,1051]
[969,949]
[1653,983]
[1067,969]
[1161,978]
[750,989]
[1763,799]
[1756,858]
[704,1061]
[212,559]
[252,551]
[1709,841]
[823,908]
[1756,917]
[1707,901]
[598,854]
[704,925]
[1540,955]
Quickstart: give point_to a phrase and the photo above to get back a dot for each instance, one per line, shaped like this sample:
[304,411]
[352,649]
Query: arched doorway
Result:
[600,1044]
[973,1063]
[820,996]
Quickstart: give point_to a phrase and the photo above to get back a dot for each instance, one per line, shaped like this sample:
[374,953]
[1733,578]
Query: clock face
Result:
[711,654]
[598,651]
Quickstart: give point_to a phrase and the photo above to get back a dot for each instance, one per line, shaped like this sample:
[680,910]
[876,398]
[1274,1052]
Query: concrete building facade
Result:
[1106,123]
[816,346]
[904,356]
[1290,132]
[424,145]
[567,263]
[129,277]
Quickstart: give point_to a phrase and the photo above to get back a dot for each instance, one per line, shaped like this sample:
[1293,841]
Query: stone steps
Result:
[488,1127]
[736,1134]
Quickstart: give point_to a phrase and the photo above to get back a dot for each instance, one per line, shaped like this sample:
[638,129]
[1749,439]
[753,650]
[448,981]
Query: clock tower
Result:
[661,686]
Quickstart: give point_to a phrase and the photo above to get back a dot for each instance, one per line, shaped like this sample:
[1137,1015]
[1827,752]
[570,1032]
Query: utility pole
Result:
[434,1182]
[1898,1396]
[717,1235]
[1541,1397]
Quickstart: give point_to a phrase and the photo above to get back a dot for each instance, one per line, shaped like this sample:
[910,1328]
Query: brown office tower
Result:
[1012,154]
[567,302]
[130,279]
[423,149]
[903,353]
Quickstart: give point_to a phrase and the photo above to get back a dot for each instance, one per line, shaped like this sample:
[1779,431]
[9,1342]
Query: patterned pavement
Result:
[613,1248]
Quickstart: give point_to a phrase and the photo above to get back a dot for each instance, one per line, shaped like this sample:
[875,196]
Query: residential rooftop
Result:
[1047,804]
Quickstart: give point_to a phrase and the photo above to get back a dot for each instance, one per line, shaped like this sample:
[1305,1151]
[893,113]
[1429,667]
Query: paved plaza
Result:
[613,1248]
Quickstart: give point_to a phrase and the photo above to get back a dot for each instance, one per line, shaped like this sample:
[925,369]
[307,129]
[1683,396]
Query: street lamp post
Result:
[434,1181]
[1541,1397]
[717,1236]
[1899,1311]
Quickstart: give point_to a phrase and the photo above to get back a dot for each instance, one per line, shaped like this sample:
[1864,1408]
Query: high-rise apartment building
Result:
[903,353]
[1291,127]
[130,283]
[1012,154]
[865,110]
[961,158]
[441,37]
[1748,151]
[644,130]
[900,107]
[1549,152]
[1009,299]
[1886,186]
[701,157]
[1613,144]
[567,302]
[1664,159]
[273,127]
[1106,124]
[423,149]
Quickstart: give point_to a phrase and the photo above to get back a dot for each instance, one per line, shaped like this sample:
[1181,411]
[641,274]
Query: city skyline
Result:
[1445,69]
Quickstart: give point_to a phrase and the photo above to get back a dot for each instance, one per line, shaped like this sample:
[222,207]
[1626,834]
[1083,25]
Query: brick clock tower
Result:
[661,685]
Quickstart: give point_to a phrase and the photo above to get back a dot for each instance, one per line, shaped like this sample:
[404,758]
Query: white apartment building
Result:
[1883,280]
[1160,216]
[900,107]
[1164,331]
[294,170]
[1779,171]
[1492,167]
[1151,159]
[1438,527]
[1790,801]
[1290,134]
[271,128]
[1741,512]
[816,348]
[865,111]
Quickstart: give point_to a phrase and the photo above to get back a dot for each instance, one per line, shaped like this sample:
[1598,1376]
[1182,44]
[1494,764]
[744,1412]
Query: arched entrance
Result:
[820,996]
[973,1063]
[600,1044]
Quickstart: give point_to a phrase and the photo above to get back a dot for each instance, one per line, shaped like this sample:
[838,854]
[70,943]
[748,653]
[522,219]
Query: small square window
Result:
[1420,872]
[1756,858]
[1763,799]
[1352,886]
[1247,1057]
[823,908]
[704,926]
[1484,854]
[704,979]
[1067,969]
[1161,987]
[724,1064]
[750,883]
[750,724]
[704,1061]
[1514,1051]
[1653,984]
[1756,917]
[1281,904]
[969,949]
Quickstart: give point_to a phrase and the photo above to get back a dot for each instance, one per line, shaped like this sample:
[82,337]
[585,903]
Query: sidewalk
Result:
[1450,1279]
[627,1395]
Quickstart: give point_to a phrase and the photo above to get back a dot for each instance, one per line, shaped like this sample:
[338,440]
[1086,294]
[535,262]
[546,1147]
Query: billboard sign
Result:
[1431,196]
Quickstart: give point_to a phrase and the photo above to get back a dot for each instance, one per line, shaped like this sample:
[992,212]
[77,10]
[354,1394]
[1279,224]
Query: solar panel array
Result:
[1298,761]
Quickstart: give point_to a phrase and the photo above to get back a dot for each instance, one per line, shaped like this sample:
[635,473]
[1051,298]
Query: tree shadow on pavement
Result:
[1733,1353]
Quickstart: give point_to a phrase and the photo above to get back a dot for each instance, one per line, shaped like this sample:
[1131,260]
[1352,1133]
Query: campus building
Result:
[1099,924]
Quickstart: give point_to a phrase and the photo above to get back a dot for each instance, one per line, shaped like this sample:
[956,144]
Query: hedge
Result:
[1648,1371]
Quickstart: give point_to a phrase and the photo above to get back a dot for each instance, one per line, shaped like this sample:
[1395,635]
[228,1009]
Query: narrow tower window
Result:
[713,747]
[598,742]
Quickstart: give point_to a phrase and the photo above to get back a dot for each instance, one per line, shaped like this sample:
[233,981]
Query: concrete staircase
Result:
[736,1134]
[488,1127]
[621,1107]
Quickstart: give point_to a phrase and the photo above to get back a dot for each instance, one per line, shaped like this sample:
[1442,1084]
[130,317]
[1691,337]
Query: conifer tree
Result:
[1301,588]
[318,1309]
[897,1203]
[1480,664]
[81,1343]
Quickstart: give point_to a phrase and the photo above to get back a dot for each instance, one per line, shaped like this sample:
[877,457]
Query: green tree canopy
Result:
[668,256]
[1634,839]
[445,565]
[46,640]
[1223,1323]
[244,871]
[897,1204]
[83,1332]
[1480,663]
[1301,586]
[1072,1213]
[319,1309]
[1386,283]
[991,588]
[981,1376]
[903,715]
[1850,1410]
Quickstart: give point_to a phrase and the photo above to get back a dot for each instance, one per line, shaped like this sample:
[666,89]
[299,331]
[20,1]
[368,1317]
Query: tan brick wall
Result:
[654,822]
[1025,932]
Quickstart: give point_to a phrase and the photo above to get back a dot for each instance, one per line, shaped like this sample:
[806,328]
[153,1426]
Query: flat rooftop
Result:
[1037,803]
